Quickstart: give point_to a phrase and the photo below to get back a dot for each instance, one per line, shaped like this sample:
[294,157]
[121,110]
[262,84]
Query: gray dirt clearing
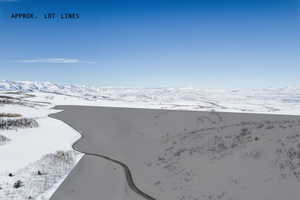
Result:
[123,135]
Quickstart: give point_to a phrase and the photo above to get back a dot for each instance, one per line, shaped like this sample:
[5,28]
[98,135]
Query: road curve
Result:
[127,171]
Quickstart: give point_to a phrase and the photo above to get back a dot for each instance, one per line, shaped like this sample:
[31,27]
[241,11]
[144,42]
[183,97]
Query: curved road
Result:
[127,171]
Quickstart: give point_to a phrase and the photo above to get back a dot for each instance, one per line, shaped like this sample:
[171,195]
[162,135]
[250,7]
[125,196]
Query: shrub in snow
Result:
[28,184]
[18,123]
[3,140]
[18,184]
[6,101]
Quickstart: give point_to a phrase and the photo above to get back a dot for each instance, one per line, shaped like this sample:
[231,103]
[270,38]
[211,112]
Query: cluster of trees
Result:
[18,123]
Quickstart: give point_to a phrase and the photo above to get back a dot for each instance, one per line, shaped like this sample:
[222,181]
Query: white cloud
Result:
[56,61]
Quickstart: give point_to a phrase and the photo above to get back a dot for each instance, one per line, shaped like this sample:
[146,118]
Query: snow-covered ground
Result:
[24,151]
[264,100]
[29,150]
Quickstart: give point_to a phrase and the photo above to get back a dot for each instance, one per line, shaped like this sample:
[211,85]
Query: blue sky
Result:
[151,43]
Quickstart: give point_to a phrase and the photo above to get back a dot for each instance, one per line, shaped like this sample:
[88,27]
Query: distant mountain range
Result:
[275,100]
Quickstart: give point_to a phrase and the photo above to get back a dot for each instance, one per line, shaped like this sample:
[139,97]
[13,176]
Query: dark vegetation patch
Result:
[6,101]
[16,92]
[288,156]
[10,115]
[3,140]
[217,142]
[6,97]
[8,124]
[18,184]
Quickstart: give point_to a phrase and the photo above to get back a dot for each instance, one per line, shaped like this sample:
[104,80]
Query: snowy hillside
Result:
[36,163]
[35,150]
[270,100]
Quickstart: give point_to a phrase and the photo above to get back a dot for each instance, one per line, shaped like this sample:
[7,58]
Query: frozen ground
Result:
[23,150]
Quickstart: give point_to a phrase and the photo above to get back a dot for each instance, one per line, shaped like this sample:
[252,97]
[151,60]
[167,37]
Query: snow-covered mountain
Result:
[30,86]
[269,100]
